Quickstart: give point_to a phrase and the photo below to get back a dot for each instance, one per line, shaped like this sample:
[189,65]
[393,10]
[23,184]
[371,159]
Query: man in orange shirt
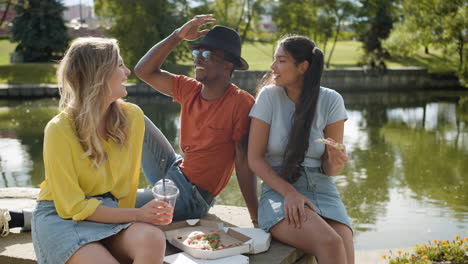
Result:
[214,120]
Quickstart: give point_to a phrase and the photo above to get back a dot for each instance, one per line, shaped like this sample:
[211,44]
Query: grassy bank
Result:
[259,55]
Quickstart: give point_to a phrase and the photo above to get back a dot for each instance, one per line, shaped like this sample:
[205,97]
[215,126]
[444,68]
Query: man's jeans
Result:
[158,160]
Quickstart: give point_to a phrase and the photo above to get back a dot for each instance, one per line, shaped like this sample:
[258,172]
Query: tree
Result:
[297,17]
[138,25]
[376,21]
[40,30]
[340,11]
[7,4]
[239,15]
[438,23]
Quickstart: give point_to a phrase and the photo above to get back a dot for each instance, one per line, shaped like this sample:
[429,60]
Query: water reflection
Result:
[407,170]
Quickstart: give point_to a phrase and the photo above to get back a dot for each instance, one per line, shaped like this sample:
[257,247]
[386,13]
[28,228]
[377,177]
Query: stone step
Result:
[17,247]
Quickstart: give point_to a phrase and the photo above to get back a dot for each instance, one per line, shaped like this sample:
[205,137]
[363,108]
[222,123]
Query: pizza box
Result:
[184,258]
[177,232]
[260,239]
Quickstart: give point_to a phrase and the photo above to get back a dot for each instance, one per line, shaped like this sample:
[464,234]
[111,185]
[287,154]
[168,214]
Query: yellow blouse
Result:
[70,177]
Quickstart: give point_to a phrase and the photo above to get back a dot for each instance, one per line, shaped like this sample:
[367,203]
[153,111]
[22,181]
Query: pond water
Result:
[405,183]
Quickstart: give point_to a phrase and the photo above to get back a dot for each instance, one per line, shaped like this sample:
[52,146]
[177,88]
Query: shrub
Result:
[453,252]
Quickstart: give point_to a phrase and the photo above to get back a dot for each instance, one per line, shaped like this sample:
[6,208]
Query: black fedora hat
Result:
[227,40]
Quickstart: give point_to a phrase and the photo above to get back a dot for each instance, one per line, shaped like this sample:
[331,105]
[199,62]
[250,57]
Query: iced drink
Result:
[166,198]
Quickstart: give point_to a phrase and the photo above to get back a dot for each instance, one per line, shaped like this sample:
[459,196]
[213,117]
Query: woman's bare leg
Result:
[140,243]
[92,253]
[315,237]
[347,235]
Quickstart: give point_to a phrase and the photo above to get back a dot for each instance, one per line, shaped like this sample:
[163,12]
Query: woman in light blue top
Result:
[300,204]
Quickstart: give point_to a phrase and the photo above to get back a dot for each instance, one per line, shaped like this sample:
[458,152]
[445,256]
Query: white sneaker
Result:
[4,219]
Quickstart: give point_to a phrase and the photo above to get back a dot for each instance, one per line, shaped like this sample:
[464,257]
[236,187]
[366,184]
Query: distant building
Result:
[266,23]
[81,21]
[10,14]
[78,11]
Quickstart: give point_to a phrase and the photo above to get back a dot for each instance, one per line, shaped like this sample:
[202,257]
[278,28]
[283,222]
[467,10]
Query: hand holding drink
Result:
[165,194]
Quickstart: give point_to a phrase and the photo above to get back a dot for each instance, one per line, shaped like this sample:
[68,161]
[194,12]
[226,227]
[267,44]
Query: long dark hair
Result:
[301,49]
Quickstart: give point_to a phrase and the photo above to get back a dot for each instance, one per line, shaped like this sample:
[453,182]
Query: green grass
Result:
[23,73]
[434,62]
[259,55]
[6,47]
[28,73]
[346,54]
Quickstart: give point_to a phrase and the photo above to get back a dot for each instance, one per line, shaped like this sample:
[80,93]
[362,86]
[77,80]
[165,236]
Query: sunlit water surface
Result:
[405,183]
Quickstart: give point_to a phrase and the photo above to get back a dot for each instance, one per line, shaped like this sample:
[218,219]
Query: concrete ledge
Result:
[17,247]
[341,80]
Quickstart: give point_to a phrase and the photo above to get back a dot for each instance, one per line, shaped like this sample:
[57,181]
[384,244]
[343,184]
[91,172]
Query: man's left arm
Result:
[247,180]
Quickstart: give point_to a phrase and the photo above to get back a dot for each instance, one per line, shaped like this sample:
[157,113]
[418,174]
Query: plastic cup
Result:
[167,200]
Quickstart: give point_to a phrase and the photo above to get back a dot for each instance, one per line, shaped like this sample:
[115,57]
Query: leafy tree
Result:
[8,4]
[239,15]
[438,23]
[298,17]
[339,11]
[40,30]
[376,21]
[138,25]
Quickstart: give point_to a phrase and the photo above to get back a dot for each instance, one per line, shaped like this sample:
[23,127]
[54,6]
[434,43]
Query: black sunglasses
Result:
[205,55]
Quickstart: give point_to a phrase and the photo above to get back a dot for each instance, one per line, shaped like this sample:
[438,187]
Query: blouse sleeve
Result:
[62,177]
[336,110]
[263,107]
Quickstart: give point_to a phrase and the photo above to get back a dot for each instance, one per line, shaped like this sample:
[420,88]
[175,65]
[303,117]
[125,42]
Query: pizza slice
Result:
[209,241]
[331,142]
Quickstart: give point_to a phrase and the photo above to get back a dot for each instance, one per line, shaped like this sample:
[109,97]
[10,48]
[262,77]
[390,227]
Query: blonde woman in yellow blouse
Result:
[92,154]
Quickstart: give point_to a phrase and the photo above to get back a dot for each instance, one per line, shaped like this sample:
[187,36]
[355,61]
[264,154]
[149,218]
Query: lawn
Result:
[23,73]
[6,47]
[258,54]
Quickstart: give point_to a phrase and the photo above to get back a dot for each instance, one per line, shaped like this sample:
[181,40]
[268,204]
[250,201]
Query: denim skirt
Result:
[56,239]
[316,186]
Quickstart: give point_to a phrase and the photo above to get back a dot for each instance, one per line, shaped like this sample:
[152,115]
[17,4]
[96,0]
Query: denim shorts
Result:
[317,187]
[56,239]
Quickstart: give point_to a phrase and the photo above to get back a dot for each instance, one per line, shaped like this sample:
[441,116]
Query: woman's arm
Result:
[293,201]
[333,160]
[258,140]
[150,213]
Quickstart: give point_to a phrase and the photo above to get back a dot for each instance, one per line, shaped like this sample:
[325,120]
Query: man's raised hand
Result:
[190,30]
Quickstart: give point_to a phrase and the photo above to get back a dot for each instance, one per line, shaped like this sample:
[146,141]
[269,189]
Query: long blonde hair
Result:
[83,76]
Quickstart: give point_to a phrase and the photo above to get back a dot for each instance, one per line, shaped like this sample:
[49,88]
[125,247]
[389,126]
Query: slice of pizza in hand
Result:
[332,143]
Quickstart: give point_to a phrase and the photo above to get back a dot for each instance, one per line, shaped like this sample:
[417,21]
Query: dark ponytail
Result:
[302,49]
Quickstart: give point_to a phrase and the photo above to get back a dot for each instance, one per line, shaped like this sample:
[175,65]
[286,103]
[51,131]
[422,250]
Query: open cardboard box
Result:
[184,258]
[177,232]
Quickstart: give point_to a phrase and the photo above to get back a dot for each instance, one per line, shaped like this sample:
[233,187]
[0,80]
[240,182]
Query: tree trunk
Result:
[242,14]
[249,21]
[426,49]
[338,28]
[5,12]
[325,43]
[246,29]
[461,45]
